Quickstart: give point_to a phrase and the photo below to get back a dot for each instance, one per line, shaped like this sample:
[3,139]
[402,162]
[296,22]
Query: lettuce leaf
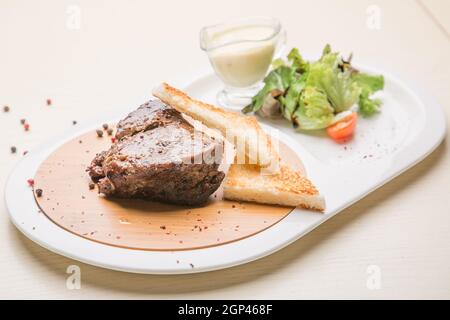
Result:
[290,101]
[310,94]
[296,61]
[338,85]
[368,106]
[369,84]
[278,79]
[314,111]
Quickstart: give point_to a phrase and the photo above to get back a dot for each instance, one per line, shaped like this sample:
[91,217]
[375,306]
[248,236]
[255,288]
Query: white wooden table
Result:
[123,48]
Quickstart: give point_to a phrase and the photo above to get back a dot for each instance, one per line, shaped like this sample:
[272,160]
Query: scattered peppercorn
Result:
[6,109]
[26,126]
[13,149]
[30,182]
[109,131]
[163,227]
[49,102]
[25,152]
[74,122]
[99,133]
[22,121]
[91,185]
[105,126]
[39,193]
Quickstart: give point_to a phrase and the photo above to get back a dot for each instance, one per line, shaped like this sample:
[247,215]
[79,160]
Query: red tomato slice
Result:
[343,129]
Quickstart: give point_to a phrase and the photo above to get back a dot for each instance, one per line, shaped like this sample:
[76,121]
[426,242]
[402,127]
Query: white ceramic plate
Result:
[410,126]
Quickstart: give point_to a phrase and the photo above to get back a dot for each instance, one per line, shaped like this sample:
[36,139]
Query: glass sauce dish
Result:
[241,53]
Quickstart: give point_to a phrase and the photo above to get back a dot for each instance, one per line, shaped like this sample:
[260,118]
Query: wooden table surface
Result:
[403,229]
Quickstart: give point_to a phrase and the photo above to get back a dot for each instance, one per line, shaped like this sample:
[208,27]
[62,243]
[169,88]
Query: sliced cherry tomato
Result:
[343,129]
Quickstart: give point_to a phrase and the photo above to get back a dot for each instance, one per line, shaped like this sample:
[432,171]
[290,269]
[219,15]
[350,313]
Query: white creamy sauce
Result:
[241,59]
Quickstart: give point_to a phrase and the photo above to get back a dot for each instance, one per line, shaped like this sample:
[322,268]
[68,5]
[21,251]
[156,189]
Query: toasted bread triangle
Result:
[267,181]
[258,146]
[287,187]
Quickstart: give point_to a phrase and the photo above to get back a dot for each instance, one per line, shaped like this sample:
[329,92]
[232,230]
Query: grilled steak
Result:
[159,156]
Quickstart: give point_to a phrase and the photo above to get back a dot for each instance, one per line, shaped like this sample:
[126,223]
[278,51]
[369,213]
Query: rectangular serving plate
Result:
[410,126]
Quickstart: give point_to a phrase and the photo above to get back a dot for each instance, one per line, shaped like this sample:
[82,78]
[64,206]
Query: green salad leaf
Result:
[296,61]
[310,94]
[369,84]
[289,102]
[314,112]
[368,106]
[339,87]
[278,79]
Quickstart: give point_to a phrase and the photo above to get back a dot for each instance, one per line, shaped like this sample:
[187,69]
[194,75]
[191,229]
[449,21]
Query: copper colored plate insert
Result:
[140,224]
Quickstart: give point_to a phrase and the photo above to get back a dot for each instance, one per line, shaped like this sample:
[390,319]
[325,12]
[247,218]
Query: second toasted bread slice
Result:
[287,187]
